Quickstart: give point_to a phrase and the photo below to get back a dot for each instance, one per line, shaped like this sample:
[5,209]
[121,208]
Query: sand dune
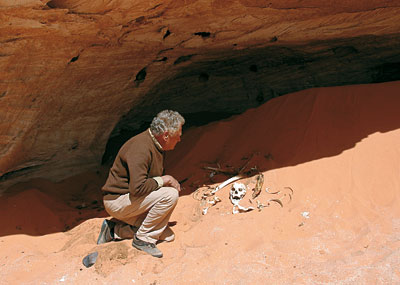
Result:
[338,149]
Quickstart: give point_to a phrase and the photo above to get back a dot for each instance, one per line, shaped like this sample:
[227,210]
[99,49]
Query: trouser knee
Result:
[171,195]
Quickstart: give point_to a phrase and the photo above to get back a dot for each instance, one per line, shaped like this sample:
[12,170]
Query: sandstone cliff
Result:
[75,73]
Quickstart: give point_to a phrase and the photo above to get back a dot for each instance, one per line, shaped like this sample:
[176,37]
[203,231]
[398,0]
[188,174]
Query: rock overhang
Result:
[77,73]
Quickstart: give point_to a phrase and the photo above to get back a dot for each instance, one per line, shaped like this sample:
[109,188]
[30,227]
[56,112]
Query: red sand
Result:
[337,148]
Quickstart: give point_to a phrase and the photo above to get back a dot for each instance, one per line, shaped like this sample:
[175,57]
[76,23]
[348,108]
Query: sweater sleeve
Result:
[140,183]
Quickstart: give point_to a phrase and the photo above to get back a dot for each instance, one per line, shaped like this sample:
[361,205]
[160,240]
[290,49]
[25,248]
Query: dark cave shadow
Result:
[72,219]
[34,208]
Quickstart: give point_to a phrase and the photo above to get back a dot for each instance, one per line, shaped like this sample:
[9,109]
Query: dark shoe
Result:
[106,232]
[147,247]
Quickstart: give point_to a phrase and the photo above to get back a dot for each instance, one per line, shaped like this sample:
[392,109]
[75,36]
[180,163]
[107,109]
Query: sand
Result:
[333,154]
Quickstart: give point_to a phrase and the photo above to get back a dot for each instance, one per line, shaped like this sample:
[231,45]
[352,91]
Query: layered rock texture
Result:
[76,74]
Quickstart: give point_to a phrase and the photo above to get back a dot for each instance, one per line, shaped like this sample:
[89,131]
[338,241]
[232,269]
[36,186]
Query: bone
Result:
[277,201]
[214,201]
[267,190]
[287,187]
[260,206]
[211,203]
[226,182]
[258,187]
[244,209]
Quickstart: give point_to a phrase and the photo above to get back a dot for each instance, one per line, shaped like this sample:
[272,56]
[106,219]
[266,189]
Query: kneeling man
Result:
[136,192]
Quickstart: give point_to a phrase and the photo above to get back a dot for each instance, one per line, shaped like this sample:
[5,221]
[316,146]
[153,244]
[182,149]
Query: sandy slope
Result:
[336,148]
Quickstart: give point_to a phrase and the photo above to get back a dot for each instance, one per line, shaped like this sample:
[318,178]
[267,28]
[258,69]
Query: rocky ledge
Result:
[77,75]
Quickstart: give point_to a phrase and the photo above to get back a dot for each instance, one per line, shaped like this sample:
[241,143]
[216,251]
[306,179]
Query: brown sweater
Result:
[137,163]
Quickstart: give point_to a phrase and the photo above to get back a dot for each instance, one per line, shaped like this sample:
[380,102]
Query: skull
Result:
[237,193]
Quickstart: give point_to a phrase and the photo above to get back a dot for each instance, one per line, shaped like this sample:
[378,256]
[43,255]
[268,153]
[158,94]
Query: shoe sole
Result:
[141,249]
[104,226]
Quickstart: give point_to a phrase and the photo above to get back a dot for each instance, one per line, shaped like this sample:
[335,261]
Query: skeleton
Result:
[238,190]
[236,194]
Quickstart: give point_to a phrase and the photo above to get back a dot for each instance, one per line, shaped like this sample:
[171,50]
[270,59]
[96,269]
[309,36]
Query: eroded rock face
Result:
[73,73]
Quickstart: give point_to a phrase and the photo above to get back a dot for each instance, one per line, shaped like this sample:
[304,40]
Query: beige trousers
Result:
[149,213]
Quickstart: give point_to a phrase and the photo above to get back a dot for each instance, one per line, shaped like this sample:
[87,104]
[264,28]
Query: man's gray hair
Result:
[166,121]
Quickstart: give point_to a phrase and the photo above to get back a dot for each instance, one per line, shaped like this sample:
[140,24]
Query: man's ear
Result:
[165,136]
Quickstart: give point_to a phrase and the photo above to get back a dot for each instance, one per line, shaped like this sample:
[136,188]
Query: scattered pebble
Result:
[306,215]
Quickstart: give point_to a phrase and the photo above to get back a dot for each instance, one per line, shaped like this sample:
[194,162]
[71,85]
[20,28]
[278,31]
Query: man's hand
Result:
[168,180]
